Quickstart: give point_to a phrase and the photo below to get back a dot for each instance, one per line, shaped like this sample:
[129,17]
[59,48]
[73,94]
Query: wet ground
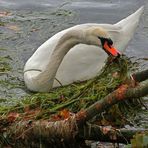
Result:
[24,25]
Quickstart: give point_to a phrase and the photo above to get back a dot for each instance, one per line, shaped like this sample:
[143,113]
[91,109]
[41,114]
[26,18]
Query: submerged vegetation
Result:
[4,65]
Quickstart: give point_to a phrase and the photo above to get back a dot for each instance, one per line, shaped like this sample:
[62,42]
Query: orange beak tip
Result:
[110,49]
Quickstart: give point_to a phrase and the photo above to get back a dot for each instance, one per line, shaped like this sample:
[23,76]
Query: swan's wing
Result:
[122,32]
[131,19]
[127,29]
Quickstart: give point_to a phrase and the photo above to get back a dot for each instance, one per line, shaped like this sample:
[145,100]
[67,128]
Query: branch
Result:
[108,134]
[141,76]
[37,133]
[120,94]
[60,132]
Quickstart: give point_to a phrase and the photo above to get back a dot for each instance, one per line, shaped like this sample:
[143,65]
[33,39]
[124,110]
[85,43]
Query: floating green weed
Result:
[76,96]
[4,63]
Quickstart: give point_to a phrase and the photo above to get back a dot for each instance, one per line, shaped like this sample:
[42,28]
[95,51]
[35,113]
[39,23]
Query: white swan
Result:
[74,55]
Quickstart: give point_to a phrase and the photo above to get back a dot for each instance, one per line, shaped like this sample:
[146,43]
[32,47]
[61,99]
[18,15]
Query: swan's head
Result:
[100,37]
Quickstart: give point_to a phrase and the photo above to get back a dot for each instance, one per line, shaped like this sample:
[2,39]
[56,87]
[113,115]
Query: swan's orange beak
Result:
[111,50]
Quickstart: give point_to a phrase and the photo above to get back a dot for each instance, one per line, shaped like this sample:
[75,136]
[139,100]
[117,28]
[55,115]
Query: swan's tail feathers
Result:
[132,19]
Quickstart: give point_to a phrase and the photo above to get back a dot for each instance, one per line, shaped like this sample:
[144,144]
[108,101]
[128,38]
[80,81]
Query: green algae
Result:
[76,96]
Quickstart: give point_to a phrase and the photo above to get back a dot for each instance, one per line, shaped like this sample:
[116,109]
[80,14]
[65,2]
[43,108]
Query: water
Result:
[29,23]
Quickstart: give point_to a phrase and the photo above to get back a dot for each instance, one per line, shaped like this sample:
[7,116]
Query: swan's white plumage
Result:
[82,62]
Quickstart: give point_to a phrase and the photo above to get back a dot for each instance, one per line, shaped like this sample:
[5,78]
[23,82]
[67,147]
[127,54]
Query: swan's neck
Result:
[66,42]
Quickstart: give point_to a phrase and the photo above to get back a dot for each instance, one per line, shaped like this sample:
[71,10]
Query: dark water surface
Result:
[29,23]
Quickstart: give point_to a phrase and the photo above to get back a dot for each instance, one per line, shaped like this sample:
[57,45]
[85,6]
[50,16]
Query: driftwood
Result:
[76,129]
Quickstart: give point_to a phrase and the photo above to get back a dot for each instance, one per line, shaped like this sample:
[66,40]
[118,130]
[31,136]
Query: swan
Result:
[74,55]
